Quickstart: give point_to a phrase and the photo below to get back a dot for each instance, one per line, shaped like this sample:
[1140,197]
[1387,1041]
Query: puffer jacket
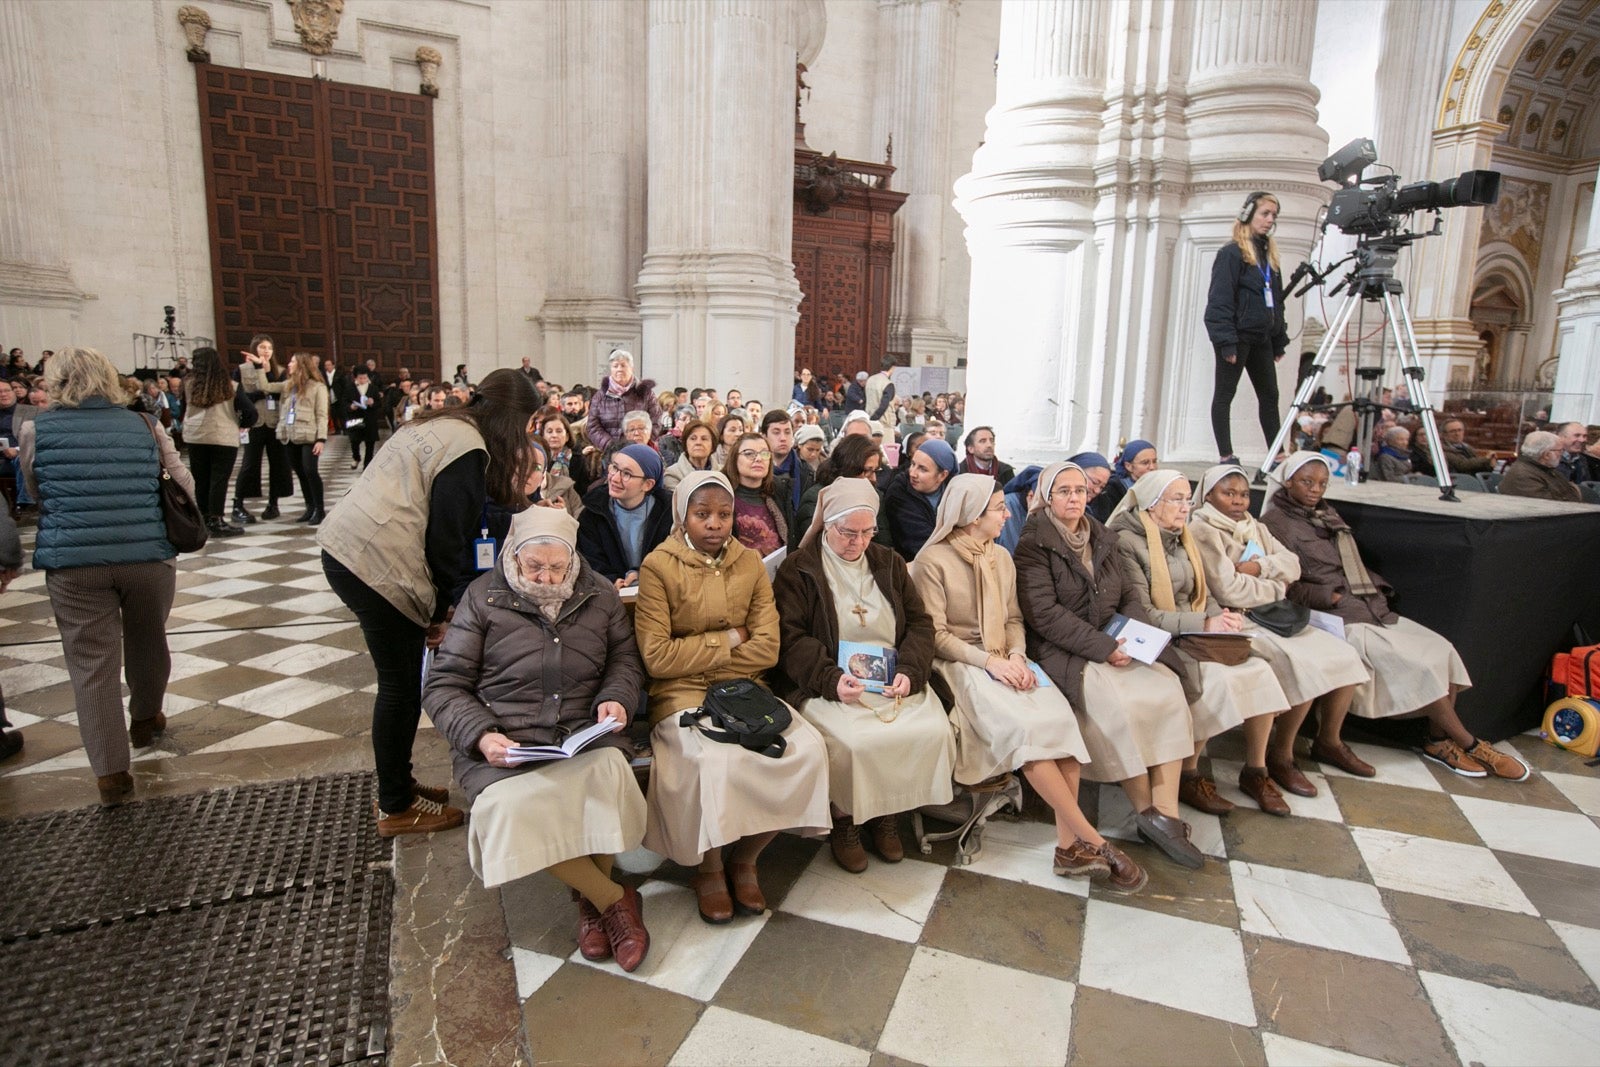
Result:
[604,423]
[1135,551]
[1236,305]
[685,609]
[504,666]
[1066,610]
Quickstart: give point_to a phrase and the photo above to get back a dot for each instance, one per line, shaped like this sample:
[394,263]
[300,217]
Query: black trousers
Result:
[304,462]
[211,465]
[1254,359]
[396,644]
[280,481]
[362,437]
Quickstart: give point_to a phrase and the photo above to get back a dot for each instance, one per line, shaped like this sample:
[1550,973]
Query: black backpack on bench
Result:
[742,713]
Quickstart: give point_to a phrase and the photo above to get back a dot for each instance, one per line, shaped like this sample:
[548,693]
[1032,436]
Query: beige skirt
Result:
[999,729]
[1310,663]
[1133,718]
[1233,694]
[588,805]
[881,768]
[1411,666]
[705,794]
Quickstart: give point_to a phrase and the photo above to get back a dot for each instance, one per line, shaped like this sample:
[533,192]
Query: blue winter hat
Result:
[648,459]
[941,454]
[1026,479]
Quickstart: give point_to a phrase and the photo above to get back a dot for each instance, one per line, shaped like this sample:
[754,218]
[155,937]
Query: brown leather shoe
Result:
[1171,835]
[711,894]
[114,788]
[1288,776]
[1257,785]
[1200,793]
[143,732]
[886,838]
[845,843]
[1339,755]
[1080,859]
[624,926]
[424,816]
[592,939]
[1126,875]
[747,896]
[439,794]
[1497,763]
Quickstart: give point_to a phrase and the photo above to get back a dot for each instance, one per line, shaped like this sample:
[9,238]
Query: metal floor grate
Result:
[246,925]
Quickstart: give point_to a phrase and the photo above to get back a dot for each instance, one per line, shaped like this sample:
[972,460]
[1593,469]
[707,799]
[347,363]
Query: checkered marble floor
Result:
[263,653]
[1418,918]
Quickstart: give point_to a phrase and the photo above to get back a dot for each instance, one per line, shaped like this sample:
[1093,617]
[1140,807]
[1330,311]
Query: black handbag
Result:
[186,527]
[1282,617]
[742,713]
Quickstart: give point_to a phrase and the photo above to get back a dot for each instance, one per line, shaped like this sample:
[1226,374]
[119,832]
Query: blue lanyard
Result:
[1266,273]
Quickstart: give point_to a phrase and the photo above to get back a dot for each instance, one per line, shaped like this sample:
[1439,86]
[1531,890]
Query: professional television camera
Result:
[1377,213]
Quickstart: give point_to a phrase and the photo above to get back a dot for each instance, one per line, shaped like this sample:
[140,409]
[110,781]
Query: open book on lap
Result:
[565,750]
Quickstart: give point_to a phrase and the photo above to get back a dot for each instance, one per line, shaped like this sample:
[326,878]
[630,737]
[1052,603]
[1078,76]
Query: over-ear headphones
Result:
[1248,211]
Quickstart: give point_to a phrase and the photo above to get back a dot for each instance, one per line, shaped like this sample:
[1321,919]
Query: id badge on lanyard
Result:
[483,549]
[1266,272]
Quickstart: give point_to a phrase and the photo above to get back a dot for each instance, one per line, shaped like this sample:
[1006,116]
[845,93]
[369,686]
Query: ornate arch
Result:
[1478,76]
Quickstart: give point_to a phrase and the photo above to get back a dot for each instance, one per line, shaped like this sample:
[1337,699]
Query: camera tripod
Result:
[1372,280]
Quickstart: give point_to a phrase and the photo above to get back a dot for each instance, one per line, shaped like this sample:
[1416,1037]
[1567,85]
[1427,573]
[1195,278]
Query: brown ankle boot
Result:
[885,830]
[845,843]
[143,732]
[114,788]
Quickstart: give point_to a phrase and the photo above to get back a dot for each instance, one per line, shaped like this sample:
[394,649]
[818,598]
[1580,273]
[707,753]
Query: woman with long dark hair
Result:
[763,519]
[855,456]
[260,371]
[212,407]
[393,551]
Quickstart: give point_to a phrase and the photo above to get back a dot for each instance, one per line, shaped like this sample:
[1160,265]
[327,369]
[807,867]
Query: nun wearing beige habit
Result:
[890,746]
[1161,563]
[705,614]
[1004,718]
[1309,665]
[540,648]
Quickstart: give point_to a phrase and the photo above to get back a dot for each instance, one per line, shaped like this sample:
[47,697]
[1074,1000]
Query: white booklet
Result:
[773,559]
[565,750]
[1325,620]
[1139,639]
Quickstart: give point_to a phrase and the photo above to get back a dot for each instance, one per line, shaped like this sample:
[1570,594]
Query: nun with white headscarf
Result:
[1246,567]
[1414,671]
[890,747]
[1134,716]
[540,648]
[1004,718]
[1161,563]
[704,615]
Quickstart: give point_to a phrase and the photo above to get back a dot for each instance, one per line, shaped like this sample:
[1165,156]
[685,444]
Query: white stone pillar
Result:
[597,148]
[1578,335]
[1252,124]
[912,105]
[1028,208]
[717,292]
[39,301]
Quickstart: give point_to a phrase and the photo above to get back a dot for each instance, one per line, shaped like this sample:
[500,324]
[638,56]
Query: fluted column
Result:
[38,297]
[717,292]
[912,107]
[597,145]
[1578,335]
[1027,204]
[1252,124]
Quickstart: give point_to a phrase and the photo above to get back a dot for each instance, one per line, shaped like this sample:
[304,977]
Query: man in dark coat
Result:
[1534,472]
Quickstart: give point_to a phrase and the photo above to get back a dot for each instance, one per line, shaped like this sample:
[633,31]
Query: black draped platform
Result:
[1504,578]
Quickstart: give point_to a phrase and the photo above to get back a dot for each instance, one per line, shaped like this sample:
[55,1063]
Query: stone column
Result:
[597,149]
[717,292]
[1578,334]
[39,301]
[1028,208]
[916,77]
[1252,124]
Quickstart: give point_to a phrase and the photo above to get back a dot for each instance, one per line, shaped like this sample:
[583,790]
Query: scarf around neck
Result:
[980,556]
[1162,594]
[1323,517]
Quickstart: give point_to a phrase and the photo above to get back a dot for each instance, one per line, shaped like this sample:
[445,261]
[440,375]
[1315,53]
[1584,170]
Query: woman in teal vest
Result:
[95,468]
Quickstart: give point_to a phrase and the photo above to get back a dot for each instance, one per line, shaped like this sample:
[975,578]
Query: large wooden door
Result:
[322,217]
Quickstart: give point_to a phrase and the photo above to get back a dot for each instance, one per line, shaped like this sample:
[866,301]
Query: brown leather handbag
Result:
[1230,650]
[186,527]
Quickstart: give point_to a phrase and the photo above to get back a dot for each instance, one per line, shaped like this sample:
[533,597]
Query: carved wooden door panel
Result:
[322,217]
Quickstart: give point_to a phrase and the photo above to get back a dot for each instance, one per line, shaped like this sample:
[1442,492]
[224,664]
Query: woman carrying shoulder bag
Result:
[213,410]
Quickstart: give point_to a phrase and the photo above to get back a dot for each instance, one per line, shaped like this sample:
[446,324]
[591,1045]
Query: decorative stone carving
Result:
[428,59]
[317,23]
[196,24]
[1518,217]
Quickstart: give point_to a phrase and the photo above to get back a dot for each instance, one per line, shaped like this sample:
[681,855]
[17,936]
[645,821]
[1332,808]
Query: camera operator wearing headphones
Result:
[1244,319]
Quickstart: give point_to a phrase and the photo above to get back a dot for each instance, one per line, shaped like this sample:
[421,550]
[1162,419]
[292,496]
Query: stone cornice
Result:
[37,285]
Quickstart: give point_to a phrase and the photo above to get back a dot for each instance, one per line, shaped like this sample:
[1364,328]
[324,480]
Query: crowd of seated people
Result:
[930,622]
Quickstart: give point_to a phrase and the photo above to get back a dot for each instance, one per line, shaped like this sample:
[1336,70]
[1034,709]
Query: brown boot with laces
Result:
[885,831]
[845,843]
[1200,793]
[424,816]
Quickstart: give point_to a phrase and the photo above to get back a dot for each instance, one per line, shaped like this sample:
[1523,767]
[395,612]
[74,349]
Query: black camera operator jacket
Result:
[1236,306]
